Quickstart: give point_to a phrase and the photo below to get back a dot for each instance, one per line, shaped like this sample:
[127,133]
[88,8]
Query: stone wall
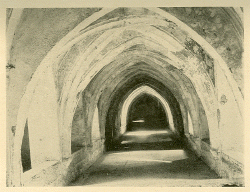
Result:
[64,172]
[224,165]
[39,30]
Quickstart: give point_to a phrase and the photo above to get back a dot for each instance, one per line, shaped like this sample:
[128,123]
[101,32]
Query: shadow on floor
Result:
[155,164]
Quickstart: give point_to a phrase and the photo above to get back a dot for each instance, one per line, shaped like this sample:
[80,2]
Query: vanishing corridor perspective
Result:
[125,96]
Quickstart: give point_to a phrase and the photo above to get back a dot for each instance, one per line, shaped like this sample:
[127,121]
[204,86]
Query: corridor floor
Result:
[150,164]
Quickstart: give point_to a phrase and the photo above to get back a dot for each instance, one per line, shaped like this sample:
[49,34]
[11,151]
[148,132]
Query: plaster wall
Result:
[40,29]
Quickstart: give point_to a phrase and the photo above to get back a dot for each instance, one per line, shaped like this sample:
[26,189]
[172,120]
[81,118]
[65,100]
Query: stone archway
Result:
[96,56]
[133,96]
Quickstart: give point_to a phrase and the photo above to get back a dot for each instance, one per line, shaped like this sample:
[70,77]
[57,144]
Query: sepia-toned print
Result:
[125,97]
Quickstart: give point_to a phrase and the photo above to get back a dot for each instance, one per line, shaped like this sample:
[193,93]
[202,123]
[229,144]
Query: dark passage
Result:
[146,113]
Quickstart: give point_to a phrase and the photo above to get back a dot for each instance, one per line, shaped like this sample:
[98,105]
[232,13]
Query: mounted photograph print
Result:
[125,97]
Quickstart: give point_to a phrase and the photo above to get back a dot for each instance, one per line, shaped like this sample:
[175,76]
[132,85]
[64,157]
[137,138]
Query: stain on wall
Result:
[219,29]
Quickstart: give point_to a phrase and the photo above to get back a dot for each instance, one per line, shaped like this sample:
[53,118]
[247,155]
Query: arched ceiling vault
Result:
[164,34]
[137,54]
[157,38]
[110,80]
[119,79]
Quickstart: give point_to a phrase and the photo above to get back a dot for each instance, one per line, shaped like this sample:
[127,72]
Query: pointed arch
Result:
[135,94]
[77,82]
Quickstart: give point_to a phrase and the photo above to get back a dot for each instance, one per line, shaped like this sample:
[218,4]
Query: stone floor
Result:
[156,163]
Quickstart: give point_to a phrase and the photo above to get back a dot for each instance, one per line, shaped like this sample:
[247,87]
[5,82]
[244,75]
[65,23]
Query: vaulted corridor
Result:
[125,96]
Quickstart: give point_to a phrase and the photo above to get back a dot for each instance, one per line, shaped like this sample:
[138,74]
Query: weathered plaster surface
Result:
[96,65]
[219,29]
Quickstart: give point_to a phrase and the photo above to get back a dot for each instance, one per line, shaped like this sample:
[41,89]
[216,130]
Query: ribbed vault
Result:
[103,61]
[154,52]
[115,88]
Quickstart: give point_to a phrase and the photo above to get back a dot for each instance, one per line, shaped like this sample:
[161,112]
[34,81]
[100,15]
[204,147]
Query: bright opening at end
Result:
[139,121]
[147,133]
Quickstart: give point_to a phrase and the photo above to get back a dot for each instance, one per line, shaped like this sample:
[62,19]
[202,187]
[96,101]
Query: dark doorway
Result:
[25,149]
[146,113]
